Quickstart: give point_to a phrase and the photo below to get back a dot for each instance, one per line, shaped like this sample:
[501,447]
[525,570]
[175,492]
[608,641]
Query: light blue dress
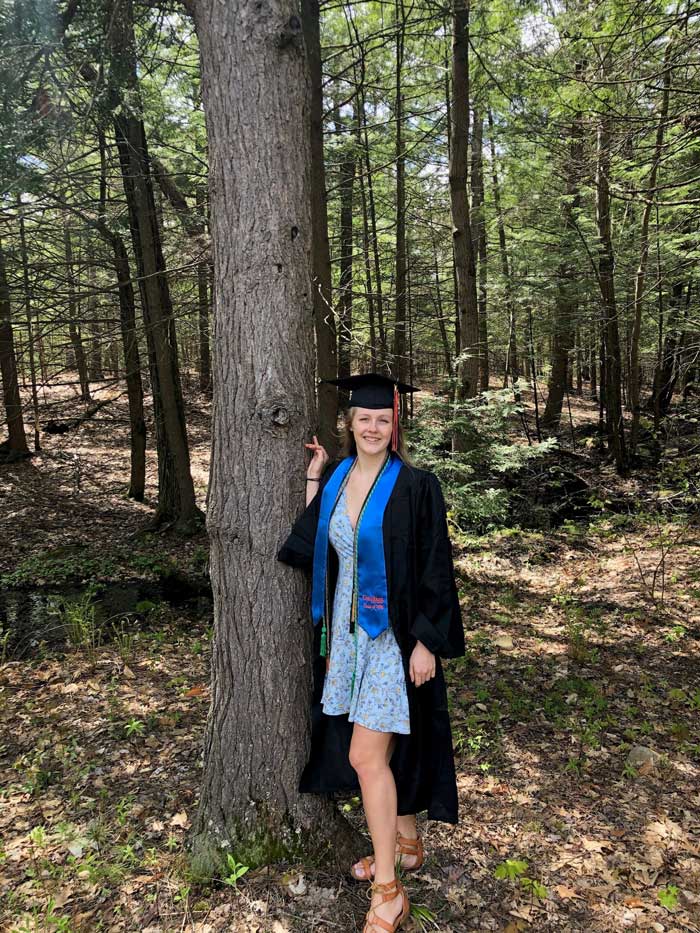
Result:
[377,699]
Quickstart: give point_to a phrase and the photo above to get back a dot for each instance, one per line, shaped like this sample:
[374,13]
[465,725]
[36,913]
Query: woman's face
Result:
[372,429]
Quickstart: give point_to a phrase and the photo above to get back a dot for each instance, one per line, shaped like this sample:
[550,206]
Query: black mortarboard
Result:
[372,390]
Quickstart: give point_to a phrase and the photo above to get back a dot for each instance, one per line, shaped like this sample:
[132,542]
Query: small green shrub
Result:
[474,480]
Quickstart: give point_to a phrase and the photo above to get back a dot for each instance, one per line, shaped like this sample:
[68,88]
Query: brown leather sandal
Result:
[407,846]
[388,891]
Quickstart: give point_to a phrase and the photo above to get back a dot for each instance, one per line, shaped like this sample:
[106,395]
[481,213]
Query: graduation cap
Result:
[372,390]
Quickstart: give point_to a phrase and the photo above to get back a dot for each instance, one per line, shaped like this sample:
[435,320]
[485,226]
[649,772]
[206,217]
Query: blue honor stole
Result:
[370,597]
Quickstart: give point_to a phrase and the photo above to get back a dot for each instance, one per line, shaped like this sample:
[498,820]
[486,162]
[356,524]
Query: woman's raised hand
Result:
[319,458]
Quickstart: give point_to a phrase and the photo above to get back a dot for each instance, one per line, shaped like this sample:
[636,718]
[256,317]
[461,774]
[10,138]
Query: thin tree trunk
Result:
[203,275]
[366,258]
[667,369]
[533,372]
[95,359]
[400,367]
[593,365]
[324,319]
[440,312]
[606,262]
[634,375]
[512,368]
[346,172]
[579,364]
[73,329]
[132,367]
[566,301]
[479,238]
[31,333]
[448,127]
[127,321]
[16,443]
[468,368]
[176,499]
[383,339]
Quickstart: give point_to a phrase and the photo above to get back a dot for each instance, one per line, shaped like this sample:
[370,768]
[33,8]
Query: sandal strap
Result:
[375,921]
[367,863]
[409,846]
[387,890]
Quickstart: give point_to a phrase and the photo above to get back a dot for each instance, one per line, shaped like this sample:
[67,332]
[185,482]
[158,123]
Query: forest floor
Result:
[575,718]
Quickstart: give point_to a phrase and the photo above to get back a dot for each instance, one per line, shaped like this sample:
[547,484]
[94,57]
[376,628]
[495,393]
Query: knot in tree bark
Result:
[290,31]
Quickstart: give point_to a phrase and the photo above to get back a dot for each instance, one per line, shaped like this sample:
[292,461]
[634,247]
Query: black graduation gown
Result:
[423,604]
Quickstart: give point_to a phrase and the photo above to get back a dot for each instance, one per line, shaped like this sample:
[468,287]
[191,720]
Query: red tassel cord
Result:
[395,425]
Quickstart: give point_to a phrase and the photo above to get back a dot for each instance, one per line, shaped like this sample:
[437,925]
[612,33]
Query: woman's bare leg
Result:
[370,753]
[406,825]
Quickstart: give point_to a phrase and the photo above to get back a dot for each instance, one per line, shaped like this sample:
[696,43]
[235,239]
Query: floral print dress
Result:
[375,697]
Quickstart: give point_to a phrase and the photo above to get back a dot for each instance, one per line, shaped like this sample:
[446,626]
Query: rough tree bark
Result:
[256,92]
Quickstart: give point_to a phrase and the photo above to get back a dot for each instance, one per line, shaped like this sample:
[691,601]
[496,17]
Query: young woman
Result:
[386,610]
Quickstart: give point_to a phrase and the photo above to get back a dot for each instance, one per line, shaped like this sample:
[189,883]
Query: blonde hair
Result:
[348,447]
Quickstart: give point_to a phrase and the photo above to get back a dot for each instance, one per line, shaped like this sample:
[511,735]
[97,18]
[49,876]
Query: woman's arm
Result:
[315,469]
[311,489]
[298,549]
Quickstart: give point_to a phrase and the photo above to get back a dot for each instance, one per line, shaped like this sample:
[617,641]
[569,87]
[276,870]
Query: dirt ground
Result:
[575,718]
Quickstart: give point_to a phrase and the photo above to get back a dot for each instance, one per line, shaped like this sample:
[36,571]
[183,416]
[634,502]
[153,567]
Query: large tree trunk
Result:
[176,498]
[324,320]
[468,368]
[16,443]
[256,91]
